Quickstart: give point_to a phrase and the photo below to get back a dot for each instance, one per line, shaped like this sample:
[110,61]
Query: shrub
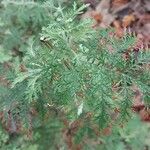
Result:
[71,86]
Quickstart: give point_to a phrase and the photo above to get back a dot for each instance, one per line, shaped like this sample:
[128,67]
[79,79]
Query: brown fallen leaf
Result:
[103,8]
[127,20]
[117,24]
[145,115]
[118,3]
[97,16]
[120,6]
[118,28]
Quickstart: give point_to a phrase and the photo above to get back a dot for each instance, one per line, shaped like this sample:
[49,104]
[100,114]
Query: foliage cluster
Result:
[64,85]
